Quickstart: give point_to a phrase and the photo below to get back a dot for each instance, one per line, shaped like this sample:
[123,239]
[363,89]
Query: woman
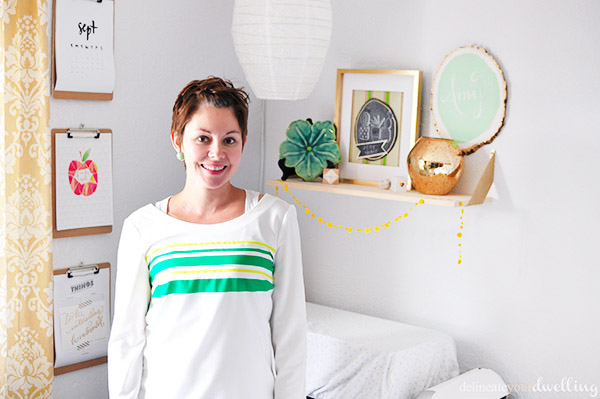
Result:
[209,295]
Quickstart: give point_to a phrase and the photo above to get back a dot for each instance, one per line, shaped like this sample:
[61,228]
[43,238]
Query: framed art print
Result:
[83,59]
[377,118]
[82,182]
[81,316]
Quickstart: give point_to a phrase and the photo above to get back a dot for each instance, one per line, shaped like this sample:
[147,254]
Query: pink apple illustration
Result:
[83,176]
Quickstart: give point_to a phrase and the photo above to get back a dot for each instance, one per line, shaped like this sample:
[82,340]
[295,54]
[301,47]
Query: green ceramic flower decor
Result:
[308,148]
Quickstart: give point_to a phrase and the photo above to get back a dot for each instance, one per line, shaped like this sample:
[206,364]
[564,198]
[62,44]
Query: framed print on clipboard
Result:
[81,316]
[83,66]
[377,115]
[82,182]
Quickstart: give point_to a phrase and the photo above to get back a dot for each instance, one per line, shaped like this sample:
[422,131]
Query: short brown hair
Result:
[217,92]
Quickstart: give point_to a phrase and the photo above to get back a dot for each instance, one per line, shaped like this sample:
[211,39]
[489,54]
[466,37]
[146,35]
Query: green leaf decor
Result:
[308,148]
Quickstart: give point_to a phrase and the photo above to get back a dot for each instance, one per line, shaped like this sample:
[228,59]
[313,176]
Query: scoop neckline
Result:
[262,202]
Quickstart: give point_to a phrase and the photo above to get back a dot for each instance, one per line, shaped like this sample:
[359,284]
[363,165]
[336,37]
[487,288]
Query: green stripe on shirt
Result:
[212,285]
[213,244]
[242,260]
[262,251]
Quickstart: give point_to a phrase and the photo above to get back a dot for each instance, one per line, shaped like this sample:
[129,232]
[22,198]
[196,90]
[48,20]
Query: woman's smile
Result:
[214,168]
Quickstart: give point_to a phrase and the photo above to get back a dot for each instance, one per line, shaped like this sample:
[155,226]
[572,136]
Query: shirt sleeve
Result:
[288,319]
[128,332]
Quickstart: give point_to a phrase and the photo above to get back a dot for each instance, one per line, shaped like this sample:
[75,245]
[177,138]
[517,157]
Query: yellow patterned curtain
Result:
[26,351]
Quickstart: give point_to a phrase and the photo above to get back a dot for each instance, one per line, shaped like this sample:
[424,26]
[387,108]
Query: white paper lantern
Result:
[281,45]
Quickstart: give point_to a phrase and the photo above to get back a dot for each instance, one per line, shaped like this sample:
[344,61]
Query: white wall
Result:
[160,46]
[524,301]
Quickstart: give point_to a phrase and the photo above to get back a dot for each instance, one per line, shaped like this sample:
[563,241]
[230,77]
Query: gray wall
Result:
[524,300]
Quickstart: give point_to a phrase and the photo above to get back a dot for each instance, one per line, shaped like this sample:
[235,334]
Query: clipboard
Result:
[90,200]
[81,317]
[77,95]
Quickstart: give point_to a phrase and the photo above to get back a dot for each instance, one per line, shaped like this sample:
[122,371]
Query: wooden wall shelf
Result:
[451,200]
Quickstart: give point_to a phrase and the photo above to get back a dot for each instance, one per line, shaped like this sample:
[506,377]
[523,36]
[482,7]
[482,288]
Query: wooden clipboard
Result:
[74,95]
[79,231]
[79,272]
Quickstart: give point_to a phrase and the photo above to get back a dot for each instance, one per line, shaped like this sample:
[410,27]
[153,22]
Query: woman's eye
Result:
[203,139]
[229,140]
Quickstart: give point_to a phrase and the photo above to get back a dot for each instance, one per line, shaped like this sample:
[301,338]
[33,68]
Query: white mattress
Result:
[353,356]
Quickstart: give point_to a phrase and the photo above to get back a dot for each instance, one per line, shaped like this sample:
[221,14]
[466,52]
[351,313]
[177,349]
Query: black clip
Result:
[99,1]
[95,131]
[79,271]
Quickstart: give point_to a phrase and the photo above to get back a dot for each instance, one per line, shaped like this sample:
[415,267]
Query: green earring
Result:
[180,156]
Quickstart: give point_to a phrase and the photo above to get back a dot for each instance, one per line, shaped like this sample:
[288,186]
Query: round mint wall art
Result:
[468,98]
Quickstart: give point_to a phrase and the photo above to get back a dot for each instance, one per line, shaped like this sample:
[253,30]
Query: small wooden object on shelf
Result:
[451,200]
[331,176]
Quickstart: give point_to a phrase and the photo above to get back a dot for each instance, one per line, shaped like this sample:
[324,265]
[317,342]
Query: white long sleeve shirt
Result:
[209,311]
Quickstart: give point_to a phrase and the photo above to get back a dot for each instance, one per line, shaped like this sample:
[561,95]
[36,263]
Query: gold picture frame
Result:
[395,100]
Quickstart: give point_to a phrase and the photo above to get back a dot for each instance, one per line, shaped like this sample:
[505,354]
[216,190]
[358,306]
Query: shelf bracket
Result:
[485,182]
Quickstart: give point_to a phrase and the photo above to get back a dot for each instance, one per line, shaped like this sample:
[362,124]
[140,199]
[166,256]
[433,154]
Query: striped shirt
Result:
[209,311]
[189,268]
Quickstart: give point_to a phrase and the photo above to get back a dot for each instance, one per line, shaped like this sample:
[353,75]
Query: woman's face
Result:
[212,146]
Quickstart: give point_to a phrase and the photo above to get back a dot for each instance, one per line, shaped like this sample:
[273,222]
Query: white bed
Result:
[353,356]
